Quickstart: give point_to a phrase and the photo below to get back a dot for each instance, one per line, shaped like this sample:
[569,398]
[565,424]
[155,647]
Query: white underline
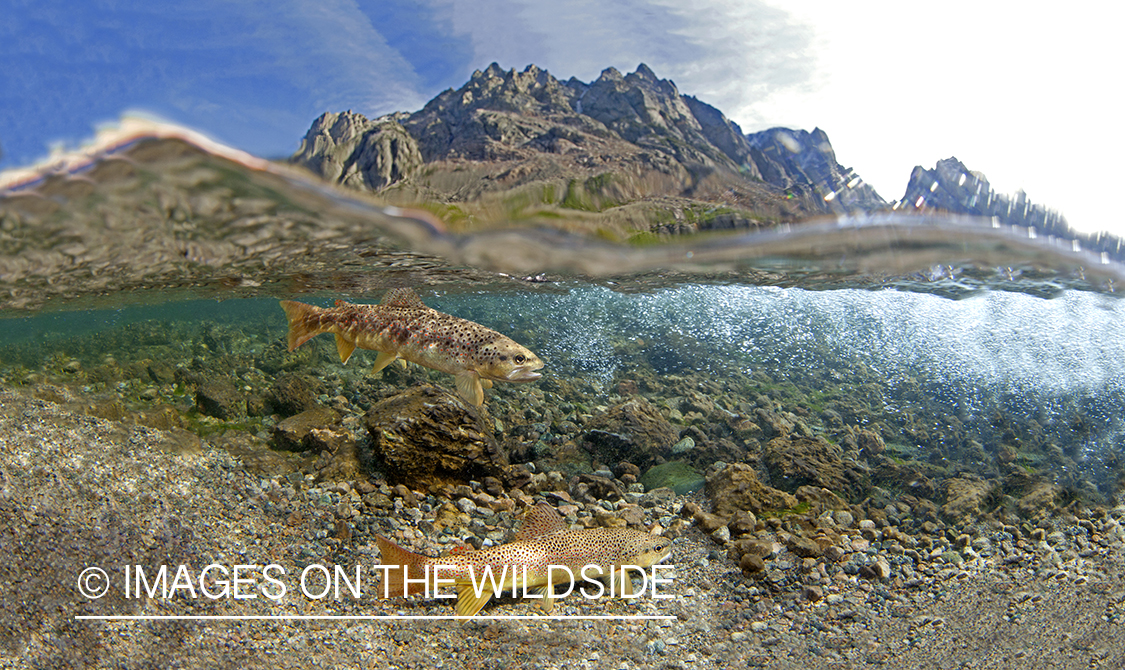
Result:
[357,617]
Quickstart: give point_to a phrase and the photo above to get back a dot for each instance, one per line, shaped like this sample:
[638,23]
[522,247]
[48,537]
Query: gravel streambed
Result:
[79,492]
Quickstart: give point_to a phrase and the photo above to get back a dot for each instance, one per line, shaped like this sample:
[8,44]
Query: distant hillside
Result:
[622,154]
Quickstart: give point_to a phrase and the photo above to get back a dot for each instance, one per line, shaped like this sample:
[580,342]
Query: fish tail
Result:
[406,563]
[305,322]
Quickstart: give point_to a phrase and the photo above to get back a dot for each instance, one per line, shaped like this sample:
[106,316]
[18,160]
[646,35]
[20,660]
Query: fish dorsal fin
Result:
[541,520]
[402,297]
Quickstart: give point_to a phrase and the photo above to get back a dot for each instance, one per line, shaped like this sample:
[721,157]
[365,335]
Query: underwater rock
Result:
[592,488]
[708,522]
[658,497]
[713,443]
[567,457]
[770,422]
[744,523]
[675,475]
[912,476]
[626,469]
[111,410]
[1040,498]
[736,487]
[795,462]
[820,499]
[427,436]
[339,455]
[291,394]
[751,564]
[803,547]
[161,417]
[297,432]
[870,442]
[160,372]
[683,446]
[631,431]
[220,399]
[965,498]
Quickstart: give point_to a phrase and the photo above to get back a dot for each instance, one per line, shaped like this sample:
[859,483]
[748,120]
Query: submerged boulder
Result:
[631,431]
[593,488]
[291,394]
[428,436]
[220,399]
[1039,500]
[799,461]
[309,430]
[966,498]
[736,487]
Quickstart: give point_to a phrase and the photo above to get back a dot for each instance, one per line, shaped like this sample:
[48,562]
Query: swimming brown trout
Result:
[403,327]
[522,565]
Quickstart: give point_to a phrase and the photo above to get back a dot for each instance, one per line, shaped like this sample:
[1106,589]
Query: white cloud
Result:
[722,53]
[330,49]
[1019,95]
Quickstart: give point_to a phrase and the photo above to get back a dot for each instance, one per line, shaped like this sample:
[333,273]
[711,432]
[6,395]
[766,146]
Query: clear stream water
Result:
[1014,341]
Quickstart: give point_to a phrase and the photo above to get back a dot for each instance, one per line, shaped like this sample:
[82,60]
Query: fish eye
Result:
[518,358]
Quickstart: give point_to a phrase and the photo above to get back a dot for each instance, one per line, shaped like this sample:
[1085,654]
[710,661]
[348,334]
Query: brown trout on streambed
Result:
[543,554]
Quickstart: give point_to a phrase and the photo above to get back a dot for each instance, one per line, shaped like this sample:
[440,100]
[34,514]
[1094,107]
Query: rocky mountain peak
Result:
[804,162]
[645,72]
[635,131]
[492,71]
[610,74]
[358,152]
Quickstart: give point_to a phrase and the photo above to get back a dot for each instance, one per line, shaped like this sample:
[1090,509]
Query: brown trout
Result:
[543,540]
[402,326]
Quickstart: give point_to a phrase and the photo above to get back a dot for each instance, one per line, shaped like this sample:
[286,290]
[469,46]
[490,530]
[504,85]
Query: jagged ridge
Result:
[618,140]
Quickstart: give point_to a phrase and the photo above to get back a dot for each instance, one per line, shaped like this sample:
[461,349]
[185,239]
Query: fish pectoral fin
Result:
[626,583]
[547,604]
[487,383]
[468,602]
[344,347]
[548,600]
[468,386]
[383,360]
[403,363]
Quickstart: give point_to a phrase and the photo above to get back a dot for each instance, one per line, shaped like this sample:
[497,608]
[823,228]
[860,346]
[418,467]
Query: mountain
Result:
[618,156]
[799,159]
[622,154]
[952,187]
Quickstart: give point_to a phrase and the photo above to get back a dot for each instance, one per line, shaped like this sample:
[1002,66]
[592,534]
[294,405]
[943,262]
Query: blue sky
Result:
[1021,97]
